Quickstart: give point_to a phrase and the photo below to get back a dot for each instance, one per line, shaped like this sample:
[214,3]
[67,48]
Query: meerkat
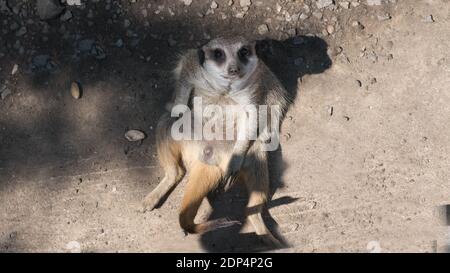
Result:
[225,71]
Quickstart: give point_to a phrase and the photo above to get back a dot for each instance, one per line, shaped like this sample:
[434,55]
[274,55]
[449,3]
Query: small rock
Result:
[263,29]
[374,2]
[358,83]
[318,14]
[22,30]
[5,93]
[334,51]
[372,56]
[287,136]
[15,69]
[75,90]
[292,32]
[134,135]
[345,4]
[86,45]
[119,43]
[14,26]
[384,17]
[357,24]
[187,2]
[74,247]
[429,19]
[323,3]
[98,52]
[373,80]
[66,16]
[73,2]
[330,110]
[245,3]
[278,8]
[214,5]
[48,9]
[126,23]
[330,29]
[303,16]
[41,60]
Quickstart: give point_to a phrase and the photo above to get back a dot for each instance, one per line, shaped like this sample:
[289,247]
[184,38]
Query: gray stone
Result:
[5,93]
[187,2]
[22,30]
[119,43]
[245,3]
[66,16]
[429,19]
[374,2]
[48,9]
[41,60]
[73,2]
[98,52]
[263,29]
[323,3]
[384,17]
[86,45]
[345,4]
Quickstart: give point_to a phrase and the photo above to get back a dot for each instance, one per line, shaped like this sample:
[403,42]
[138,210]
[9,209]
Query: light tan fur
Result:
[259,87]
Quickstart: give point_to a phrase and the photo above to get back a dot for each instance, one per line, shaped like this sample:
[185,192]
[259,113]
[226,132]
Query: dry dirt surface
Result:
[364,161]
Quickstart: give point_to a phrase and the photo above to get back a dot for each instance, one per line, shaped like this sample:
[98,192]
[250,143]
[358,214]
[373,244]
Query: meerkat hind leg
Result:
[202,180]
[256,180]
[170,179]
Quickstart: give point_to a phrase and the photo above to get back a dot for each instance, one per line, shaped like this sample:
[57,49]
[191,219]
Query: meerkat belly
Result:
[220,115]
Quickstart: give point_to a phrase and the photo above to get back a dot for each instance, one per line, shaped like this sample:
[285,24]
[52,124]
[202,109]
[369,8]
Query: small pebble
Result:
[245,3]
[429,19]
[15,69]
[330,29]
[75,90]
[263,29]
[187,2]
[134,135]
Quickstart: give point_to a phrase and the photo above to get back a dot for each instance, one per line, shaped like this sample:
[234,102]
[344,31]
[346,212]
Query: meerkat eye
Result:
[244,52]
[218,54]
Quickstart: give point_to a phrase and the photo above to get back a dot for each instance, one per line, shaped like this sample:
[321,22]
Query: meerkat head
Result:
[229,60]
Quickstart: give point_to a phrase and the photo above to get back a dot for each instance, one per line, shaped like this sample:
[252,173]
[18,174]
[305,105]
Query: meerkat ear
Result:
[201,56]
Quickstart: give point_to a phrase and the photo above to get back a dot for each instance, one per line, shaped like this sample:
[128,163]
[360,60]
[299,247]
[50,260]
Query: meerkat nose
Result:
[233,70]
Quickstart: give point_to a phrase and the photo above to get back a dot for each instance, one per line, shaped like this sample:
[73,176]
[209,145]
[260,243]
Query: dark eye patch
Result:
[218,55]
[244,53]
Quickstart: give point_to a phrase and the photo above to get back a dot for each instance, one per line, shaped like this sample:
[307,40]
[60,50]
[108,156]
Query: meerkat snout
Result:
[234,70]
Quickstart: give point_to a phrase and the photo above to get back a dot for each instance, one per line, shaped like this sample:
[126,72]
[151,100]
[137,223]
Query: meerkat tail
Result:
[212,225]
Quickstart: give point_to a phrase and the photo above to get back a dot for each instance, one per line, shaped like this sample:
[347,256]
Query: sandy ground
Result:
[364,159]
